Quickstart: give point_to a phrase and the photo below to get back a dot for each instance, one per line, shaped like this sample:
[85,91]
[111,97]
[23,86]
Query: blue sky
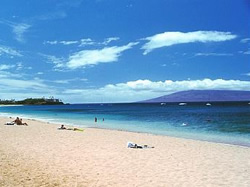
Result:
[122,51]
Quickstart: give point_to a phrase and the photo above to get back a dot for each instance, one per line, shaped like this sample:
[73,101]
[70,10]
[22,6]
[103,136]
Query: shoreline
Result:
[193,137]
[168,136]
[121,130]
[41,155]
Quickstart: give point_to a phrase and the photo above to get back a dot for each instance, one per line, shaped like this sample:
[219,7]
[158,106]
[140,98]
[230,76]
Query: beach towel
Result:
[10,123]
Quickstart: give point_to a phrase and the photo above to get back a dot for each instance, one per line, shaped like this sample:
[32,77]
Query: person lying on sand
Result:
[70,128]
[19,122]
[134,145]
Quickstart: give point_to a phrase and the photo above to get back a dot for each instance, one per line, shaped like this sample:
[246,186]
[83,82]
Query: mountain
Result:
[203,96]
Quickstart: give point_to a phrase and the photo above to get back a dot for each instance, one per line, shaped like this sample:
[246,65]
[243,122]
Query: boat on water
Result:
[208,104]
[182,104]
[163,104]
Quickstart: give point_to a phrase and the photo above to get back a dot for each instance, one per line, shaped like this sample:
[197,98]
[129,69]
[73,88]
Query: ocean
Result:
[219,122]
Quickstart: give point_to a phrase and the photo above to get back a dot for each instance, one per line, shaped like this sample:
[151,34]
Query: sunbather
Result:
[19,122]
[134,145]
[70,128]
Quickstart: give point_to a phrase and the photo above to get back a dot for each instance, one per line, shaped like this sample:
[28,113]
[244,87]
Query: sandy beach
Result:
[41,155]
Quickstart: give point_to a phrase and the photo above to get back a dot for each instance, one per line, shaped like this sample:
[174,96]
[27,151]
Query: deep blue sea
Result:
[220,122]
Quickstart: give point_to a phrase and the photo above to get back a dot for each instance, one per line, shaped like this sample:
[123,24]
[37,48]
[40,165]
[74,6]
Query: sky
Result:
[101,51]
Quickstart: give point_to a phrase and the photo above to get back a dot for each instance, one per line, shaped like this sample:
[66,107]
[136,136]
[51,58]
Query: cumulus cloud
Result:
[93,57]
[172,38]
[145,89]
[9,51]
[15,86]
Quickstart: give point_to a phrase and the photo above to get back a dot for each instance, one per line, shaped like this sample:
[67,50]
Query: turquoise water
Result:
[221,122]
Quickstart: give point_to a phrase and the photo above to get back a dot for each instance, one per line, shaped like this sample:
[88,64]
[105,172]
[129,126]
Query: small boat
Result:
[182,104]
[163,103]
[208,104]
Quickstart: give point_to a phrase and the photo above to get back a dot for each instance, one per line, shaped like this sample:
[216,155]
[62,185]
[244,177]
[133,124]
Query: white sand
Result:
[41,155]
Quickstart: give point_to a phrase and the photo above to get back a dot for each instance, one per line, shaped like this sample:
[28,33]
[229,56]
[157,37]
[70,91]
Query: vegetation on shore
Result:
[32,101]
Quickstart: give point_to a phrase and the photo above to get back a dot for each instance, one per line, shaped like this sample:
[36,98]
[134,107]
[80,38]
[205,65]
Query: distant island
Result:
[33,101]
[203,96]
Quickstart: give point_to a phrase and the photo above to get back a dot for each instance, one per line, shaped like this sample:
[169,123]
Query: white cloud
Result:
[9,51]
[59,62]
[172,38]
[68,42]
[60,42]
[245,40]
[19,66]
[19,30]
[16,86]
[51,42]
[6,74]
[93,57]
[108,40]
[213,54]
[67,81]
[12,86]
[83,42]
[245,52]
[87,41]
[6,67]
[145,89]
[247,74]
